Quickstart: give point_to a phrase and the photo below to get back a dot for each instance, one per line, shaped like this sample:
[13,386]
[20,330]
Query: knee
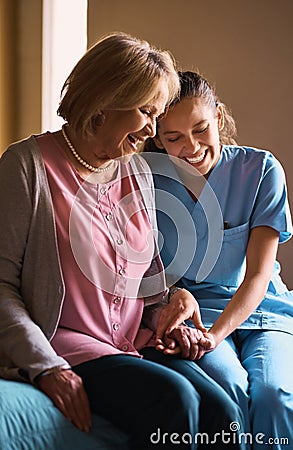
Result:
[269,398]
[232,379]
[237,391]
[231,410]
[181,393]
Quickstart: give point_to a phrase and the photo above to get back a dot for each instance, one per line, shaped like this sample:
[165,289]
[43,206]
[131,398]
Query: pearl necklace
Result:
[79,158]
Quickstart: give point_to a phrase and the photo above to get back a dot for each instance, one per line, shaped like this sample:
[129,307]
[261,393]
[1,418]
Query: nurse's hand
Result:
[207,343]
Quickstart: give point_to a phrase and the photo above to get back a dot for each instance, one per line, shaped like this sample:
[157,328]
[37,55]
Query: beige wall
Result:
[30,67]
[20,74]
[245,47]
[7,71]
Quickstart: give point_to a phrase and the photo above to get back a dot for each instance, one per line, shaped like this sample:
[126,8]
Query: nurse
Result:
[222,211]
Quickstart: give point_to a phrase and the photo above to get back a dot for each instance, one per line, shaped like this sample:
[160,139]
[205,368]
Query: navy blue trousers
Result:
[162,402]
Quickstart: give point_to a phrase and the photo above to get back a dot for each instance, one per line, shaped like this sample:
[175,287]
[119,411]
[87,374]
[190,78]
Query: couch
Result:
[30,421]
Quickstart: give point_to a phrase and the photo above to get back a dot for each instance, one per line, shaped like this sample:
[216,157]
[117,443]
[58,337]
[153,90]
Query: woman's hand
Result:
[182,306]
[190,342]
[184,340]
[66,391]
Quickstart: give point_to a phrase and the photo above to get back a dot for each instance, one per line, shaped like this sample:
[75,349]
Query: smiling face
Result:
[124,131]
[190,131]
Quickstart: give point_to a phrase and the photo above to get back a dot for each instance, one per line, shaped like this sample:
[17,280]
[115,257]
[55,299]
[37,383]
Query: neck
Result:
[84,158]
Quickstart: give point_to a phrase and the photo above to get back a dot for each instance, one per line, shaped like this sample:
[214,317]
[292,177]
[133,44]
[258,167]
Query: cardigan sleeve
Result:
[23,345]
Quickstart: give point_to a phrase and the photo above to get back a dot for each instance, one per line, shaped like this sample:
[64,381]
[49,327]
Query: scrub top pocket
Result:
[230,267]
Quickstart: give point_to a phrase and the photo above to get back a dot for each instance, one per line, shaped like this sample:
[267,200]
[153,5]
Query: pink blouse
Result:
[103,234]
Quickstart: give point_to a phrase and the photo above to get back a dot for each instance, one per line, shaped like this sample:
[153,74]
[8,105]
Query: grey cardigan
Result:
[31,283]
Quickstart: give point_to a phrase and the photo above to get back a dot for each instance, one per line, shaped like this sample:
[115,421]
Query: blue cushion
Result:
[30,421]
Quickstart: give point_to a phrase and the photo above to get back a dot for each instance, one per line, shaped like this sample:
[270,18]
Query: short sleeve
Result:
[271,206]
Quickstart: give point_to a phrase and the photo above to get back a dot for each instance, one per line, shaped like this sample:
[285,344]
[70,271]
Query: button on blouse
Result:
[104,252]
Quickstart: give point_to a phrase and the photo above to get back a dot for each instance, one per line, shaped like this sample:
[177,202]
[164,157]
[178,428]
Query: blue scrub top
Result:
[203,242]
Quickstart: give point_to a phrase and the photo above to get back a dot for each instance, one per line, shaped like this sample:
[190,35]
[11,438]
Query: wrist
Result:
[173,291]
[215,336]
[51,370]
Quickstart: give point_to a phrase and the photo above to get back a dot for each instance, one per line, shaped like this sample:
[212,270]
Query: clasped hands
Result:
[66,390]
[174,337]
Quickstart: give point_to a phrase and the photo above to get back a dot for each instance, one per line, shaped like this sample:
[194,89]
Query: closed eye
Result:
[146,112]
[173,139]
[201,131]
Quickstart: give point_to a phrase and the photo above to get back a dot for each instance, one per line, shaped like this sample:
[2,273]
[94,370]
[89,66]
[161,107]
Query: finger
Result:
[82,410]
[205,343]
[160,348]
[80,404]
[194,347]
[169,342]
[159,342]
[175,323]
[199,325]
[172,344]
[172,352]
[58,401]
[179,334]
[194,350]
[200,354]
[196,318]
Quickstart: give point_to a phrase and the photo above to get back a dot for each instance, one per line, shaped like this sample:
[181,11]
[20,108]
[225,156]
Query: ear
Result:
[158,142]
[220,115]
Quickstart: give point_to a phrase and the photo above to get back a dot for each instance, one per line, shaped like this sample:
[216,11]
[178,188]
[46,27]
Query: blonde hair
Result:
[118,72]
